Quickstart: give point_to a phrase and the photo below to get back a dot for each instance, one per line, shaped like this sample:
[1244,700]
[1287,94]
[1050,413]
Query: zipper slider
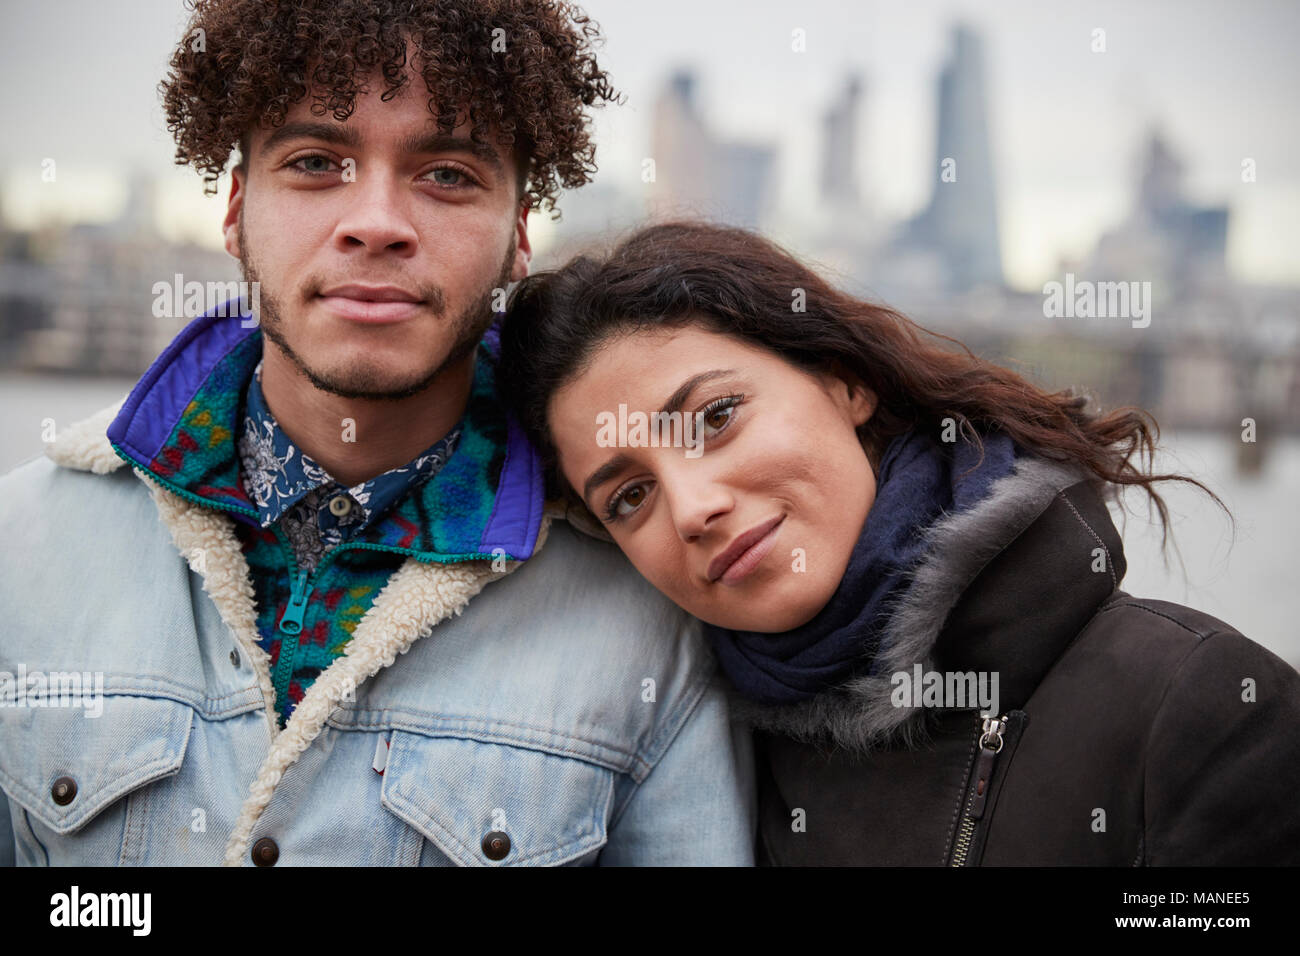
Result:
[291,623]
[990,747]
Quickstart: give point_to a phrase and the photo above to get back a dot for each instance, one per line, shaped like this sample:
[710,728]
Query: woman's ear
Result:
[857,400]
[862,402]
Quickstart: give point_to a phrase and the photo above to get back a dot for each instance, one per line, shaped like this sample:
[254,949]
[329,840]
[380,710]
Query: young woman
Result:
[904,560]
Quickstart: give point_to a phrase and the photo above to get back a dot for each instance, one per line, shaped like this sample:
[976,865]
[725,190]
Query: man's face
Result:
[378,243]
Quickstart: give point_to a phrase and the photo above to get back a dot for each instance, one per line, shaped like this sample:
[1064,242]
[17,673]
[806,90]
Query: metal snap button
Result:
[234,657]
[64,791]
[496,845]
[265,852]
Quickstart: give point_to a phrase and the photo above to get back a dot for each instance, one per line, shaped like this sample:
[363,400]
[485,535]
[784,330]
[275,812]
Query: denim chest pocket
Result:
[490,804]
[65,768]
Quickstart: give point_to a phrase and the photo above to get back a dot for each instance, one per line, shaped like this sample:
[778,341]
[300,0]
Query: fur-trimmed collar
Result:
[84,446]
[860,715]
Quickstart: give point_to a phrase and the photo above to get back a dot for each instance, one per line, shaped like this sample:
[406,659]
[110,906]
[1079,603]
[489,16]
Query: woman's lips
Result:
[753,546]
[370,310]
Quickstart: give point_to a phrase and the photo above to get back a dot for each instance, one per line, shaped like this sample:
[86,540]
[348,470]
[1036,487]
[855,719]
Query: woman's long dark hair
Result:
[737,283]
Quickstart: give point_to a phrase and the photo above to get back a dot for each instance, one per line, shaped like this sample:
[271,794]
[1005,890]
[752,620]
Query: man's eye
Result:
[318,164]
[448,177]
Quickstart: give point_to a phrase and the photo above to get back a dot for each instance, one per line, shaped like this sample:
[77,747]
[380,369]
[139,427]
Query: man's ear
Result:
[234,205]
[523,248]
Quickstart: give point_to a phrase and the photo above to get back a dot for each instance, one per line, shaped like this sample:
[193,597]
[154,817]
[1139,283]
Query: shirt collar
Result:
[277,474]
[179,426]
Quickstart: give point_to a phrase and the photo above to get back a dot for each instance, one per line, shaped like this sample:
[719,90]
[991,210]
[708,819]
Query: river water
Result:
[1251,582]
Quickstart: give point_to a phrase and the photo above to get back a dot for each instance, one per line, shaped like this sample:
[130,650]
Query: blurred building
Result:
[81,297]
[838,182]
[696,172]
[1165,237]
[844,234]
[26,289]
[960,224]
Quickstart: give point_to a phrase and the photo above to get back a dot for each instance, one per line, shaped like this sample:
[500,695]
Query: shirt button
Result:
[340,505]
[64,791]
[265,852]
[496,845]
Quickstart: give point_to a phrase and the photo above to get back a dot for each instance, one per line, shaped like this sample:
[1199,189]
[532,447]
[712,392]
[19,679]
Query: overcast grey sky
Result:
[1220,78]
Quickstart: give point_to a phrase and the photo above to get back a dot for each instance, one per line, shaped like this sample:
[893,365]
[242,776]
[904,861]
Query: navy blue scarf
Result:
[920,480]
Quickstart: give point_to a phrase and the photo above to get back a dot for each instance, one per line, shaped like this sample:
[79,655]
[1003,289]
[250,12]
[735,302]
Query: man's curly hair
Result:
[254,59]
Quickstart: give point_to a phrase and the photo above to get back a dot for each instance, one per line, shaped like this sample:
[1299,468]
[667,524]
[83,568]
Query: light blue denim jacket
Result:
[553,711]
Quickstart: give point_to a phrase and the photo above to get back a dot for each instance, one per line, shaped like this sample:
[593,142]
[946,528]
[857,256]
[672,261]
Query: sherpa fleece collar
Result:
[180,423]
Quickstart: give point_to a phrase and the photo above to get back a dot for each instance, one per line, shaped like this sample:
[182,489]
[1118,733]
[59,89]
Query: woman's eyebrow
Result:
[603,474]
[678,398]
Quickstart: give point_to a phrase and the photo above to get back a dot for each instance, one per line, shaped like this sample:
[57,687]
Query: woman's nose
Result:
[698,503]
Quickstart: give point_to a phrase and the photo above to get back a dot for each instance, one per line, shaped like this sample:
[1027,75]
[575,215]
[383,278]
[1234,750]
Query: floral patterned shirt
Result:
[315,512]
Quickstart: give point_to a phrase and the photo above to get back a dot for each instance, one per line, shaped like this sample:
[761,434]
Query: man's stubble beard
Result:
[468,328]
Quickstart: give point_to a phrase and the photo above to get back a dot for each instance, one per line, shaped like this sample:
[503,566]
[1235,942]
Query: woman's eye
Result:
[625,502]
[718,415]
[630,500]
[717,418]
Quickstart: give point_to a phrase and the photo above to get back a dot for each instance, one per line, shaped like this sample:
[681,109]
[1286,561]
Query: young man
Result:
[332,617]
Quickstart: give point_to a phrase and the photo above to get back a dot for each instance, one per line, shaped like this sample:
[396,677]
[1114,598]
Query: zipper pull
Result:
[291,623]
[990,747]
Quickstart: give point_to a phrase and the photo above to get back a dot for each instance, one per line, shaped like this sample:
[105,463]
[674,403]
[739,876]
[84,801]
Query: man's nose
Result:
[377,216]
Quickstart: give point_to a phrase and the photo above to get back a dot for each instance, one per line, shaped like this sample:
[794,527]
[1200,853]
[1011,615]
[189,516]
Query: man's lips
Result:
[361,303]
[744,553]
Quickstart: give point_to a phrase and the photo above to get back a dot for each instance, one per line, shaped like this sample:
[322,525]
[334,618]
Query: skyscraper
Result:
[961,220]
[699,174]
[839,182]
[1165,237]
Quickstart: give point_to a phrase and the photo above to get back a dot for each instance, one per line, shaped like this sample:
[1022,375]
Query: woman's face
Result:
[748,515]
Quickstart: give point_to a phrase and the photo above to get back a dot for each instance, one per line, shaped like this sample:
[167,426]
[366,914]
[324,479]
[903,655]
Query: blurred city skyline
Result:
[1068,128]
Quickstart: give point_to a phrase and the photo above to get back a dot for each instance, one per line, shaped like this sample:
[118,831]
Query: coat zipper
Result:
[990,743]
[300,591]
[291,621]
